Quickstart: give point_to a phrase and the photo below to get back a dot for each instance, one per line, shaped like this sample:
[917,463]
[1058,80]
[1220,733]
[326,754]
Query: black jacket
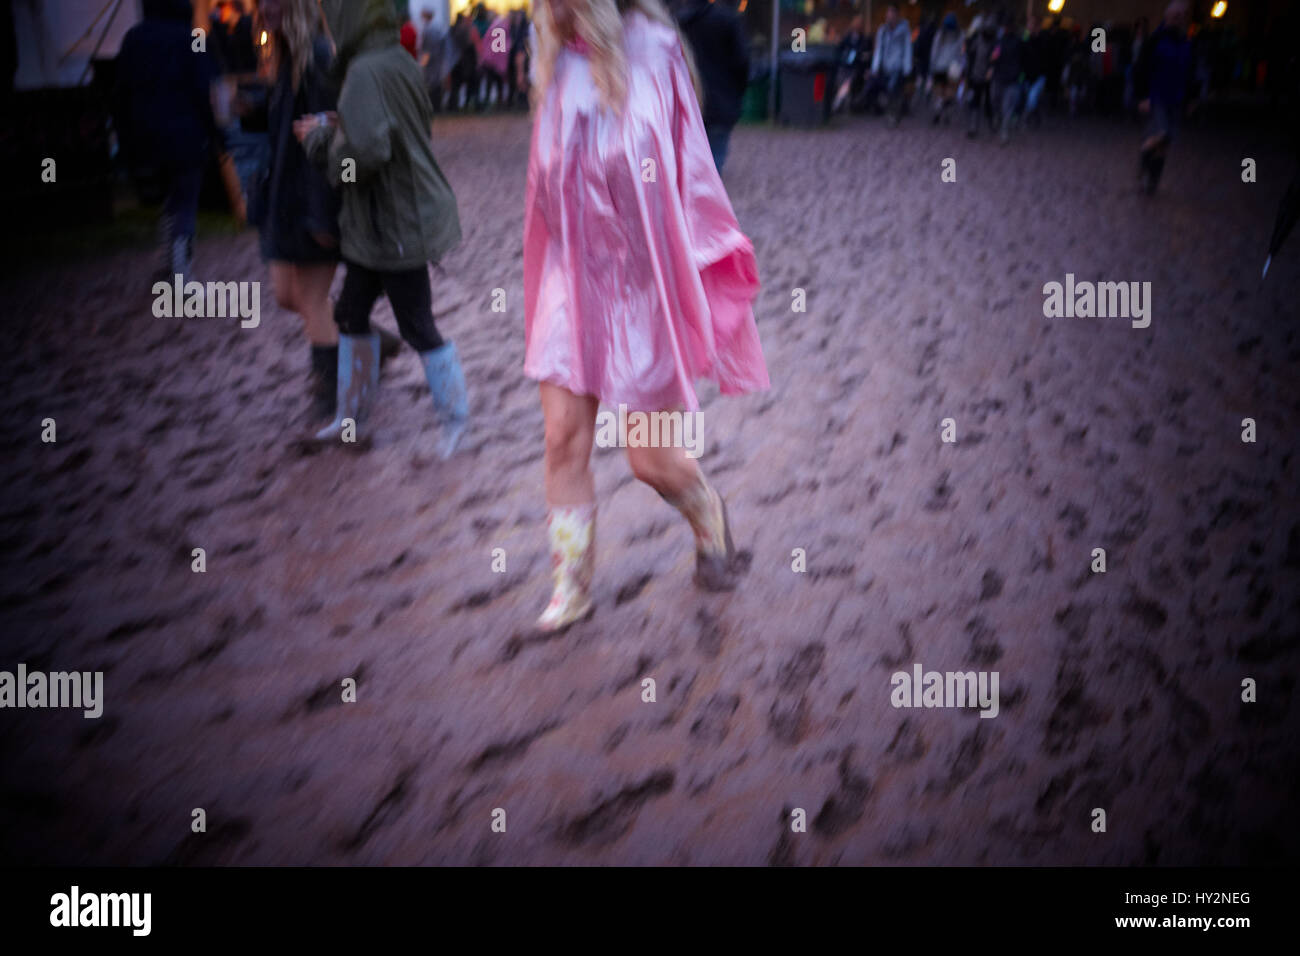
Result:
[161,101]
[293,203]
[716,34]
[1007,67]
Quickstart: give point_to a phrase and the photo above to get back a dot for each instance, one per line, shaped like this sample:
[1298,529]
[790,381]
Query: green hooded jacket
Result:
[398,210]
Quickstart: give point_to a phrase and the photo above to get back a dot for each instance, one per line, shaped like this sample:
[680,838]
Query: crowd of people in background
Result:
[477,63]
[1003,71]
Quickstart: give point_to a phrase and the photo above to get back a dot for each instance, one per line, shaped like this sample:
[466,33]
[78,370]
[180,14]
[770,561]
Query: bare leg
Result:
[570,432]
[312,292]
[285,285]
[669,471]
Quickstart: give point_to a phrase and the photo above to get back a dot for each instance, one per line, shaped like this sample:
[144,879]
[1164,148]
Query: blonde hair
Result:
[600,24]
[300,19]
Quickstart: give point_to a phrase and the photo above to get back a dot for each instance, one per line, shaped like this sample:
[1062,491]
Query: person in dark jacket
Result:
[1007,67]
[398,214]
[1035,56]
[164,119]
[464,70]
[979,70]
[716,34]
[852,59]
[947,59]
[293,206]
[1163,75]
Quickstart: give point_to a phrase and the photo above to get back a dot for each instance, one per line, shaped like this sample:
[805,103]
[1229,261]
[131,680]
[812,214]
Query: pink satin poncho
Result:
[637,278]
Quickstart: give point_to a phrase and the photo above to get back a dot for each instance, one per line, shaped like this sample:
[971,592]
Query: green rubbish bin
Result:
[753,106]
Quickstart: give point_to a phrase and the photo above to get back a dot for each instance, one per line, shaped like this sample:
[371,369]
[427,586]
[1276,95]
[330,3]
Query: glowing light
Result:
[1055,5]
[1219,9]
[262,41]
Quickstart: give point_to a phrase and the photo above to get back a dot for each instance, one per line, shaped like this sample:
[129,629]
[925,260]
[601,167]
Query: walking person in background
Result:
[292,204]
[1140,31]
[947,59]
[433,56]
[464,73]
[1077,76]
[627,301]
[922,47]
[891,63]
[979,71]
[1007,67]
[517,87]
[1034,57]
[398,214]
[852,57]
[716,34]
[494,60]
[165,122]
[1163,76]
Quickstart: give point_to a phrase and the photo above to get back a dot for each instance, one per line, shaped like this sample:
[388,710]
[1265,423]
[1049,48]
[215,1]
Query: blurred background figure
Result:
[494,60]
[852,57]
[519,68]
[293,206]
[232,39]
[922,46]
[1007,67]
[1034,57]
[1077,75]
[482,18]
[1163,76]
[891,63]
[165,121]
[979,71]
[464,71]
[716,34]
[433,56]
[1141,29]
[947,59]
[409,38]
[239,100]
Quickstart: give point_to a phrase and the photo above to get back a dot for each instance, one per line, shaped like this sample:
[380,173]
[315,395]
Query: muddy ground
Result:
[1119,691]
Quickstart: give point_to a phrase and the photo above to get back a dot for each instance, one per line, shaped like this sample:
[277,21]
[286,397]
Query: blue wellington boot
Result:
[358,383]
[450,397]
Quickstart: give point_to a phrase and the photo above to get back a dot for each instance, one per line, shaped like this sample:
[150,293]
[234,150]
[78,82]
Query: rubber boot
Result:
[324,380]
[450,396]
[717,562]
[572,533]
[358,381]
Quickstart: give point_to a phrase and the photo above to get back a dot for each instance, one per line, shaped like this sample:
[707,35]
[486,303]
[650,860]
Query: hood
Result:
[357,25]
[168,10]
[950,22]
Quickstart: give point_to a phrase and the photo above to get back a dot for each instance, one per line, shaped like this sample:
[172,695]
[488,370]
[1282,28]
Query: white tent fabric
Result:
[56,37]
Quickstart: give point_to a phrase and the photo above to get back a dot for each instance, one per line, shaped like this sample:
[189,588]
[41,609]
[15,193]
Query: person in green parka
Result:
[398,212]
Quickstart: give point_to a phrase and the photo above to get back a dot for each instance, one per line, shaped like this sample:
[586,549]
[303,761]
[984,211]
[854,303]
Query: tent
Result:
[56,38]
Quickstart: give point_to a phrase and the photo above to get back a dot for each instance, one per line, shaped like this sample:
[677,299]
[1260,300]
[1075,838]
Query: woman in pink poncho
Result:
[637,278]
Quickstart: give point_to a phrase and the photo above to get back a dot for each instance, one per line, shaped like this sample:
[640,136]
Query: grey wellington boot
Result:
[358,382]
[450,396]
